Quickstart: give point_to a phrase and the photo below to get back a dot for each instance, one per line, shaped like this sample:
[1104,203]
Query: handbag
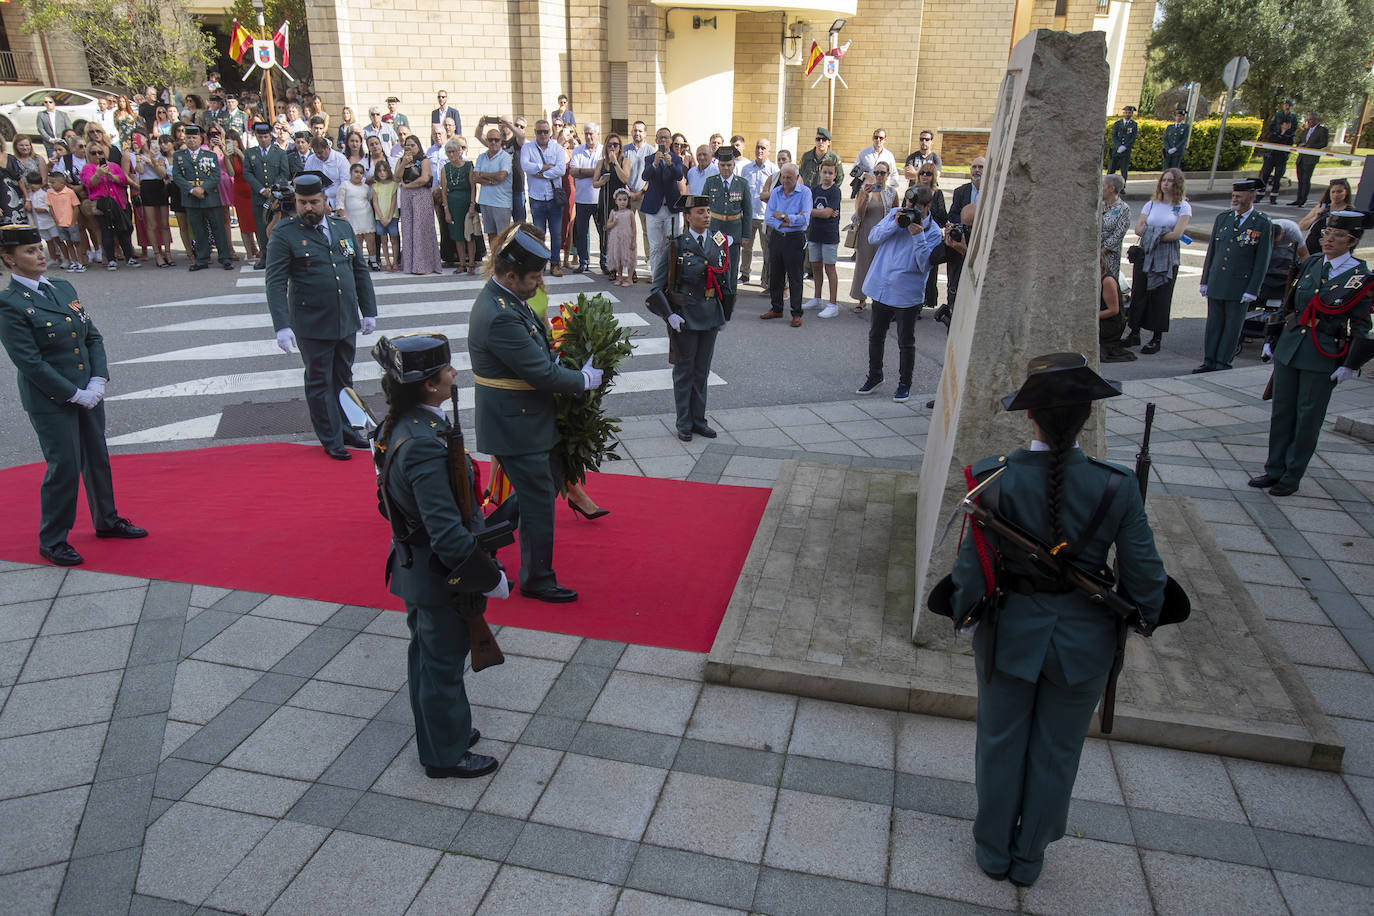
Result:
[560,194]
[851,234]
[472,226]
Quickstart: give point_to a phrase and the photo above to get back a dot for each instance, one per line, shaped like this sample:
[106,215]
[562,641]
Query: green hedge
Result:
[1148,153]
[1367,136]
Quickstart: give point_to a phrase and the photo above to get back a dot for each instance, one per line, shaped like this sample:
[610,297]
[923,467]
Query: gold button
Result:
[73,333]
[77,350]
[79,366]
[69,319]
[49,324]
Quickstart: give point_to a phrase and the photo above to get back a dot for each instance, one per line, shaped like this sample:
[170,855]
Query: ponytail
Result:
[400,398]
[1060,427]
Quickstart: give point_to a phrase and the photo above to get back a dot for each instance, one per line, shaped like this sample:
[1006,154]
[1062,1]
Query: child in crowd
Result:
[42,217]
[61,201]
[620,240]
[384,208]
[355,199]
[823,238]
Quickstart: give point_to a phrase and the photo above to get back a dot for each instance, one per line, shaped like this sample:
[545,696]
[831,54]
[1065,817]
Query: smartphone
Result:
[492,119]
[663,148]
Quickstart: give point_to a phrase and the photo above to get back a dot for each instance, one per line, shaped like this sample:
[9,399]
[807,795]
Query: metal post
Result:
[1359,125]
[1221,132]
[1194,89]
[269,109]
[830,109]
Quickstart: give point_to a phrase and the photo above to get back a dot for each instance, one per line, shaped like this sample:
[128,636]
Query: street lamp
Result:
[836,26]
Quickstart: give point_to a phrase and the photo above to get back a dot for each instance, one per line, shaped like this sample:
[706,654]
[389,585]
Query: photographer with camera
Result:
[264,166]
[896,283]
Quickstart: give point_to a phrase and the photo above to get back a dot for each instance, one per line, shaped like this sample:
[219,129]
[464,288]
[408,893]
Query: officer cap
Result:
[524,253]
[726,153]
[192,129]
[1130,108]
[689,201]
[412,357]
[1352,221]
[392,98]
[262,127]
[311,182]
[1247,184]
[1057,380]
[19,234]
[1182,111]
[822,132]
[302,135]
[317,119]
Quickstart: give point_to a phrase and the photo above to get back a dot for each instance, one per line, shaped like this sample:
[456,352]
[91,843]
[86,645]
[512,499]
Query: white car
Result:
[21,117]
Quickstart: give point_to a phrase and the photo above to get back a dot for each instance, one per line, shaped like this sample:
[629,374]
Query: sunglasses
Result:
[819,139]
[880,136]
[926,174]
[541,131]
[883,174]
[613,145]
[927,138]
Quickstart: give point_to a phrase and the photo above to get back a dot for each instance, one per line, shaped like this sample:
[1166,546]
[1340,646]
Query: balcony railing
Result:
[19,67]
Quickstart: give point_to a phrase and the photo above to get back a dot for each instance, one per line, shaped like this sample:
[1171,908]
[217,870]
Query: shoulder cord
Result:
[1318,308]
[980,542]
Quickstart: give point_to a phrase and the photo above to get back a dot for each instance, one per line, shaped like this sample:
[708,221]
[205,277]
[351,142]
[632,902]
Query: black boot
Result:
[1152,346]
[1132,339]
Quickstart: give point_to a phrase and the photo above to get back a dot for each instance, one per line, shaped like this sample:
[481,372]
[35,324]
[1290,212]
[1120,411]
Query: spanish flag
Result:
[813,58]
[239,42]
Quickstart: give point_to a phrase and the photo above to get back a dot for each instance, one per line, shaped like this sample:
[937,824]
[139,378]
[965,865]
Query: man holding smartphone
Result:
[664,175]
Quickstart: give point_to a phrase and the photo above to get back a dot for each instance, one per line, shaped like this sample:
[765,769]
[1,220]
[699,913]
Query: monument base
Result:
[823,609]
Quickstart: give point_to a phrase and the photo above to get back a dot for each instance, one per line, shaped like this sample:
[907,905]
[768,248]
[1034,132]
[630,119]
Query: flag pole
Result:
[269,106]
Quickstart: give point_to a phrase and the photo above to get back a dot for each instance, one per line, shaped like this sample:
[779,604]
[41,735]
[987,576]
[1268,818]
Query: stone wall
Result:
[758,51]
[961,146]
[590,89]
[1131,77]
[963,54]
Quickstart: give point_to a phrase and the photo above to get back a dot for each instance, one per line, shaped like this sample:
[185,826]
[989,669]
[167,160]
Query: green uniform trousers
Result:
[693,369]
[536,481]
[1030,737]
[1300,400]
[434,669]
[73,443]
[328,370]
[205,223]
[1225,318]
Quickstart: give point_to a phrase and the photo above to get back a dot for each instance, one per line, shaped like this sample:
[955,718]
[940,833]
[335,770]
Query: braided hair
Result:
[400,398]
[1060,427]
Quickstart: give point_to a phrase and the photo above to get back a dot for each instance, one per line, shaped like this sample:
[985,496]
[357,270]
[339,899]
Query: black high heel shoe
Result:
[589,516]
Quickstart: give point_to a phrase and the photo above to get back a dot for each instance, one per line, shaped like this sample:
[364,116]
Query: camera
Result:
[285,196]
[908,215]
[957,233]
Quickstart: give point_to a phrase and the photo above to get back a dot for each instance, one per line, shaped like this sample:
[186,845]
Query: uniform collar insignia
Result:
[1356,281]
[718,238]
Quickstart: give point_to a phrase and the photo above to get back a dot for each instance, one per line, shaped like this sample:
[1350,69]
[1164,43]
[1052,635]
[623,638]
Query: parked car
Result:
[21,117]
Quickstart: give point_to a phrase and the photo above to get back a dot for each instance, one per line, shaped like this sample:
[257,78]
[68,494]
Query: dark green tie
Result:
[1326,271]
[47,289]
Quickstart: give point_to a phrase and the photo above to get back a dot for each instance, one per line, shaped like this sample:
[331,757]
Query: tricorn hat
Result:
[524,253]
[688,201]
[1247,184]
[311,182]
[726,153]
[1181,111]
[262,127]
[19,234]
[1128,108]
[1057,380]
[191,128]
[412,357]
[1352,221]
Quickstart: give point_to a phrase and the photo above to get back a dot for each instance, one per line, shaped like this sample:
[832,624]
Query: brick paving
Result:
[174,748]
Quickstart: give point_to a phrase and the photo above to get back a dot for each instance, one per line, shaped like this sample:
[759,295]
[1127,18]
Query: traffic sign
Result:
[1235,72]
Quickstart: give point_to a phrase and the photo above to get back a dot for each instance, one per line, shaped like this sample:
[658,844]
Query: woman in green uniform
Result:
[1043,660]
[458,201]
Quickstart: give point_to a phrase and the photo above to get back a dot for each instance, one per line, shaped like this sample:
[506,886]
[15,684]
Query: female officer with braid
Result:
[1043,661]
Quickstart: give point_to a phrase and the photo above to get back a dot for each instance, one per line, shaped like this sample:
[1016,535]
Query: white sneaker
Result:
[830,310]
[812,304]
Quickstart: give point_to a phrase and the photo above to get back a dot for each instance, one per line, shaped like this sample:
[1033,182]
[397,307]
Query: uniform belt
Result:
[726,217]
[1029,585]
[509,384]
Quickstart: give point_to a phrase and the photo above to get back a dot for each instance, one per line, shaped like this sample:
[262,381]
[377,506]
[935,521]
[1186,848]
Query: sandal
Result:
[860,308]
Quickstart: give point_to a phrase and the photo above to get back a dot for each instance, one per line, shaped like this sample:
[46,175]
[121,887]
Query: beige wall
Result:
[1130,76]
[759,73]
[66,55]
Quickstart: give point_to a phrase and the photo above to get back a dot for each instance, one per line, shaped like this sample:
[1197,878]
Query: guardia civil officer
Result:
[1123,136]
[263,166]
[693,280]
[516,375]
[1175,136]
[729,197]
[1318,341]
[1232,273]
[1043,661]
[318,286]
[62,374]
[195,171]
[437,568]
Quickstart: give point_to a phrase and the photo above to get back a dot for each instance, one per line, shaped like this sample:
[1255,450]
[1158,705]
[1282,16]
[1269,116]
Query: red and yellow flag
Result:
[239,42]
[813,58]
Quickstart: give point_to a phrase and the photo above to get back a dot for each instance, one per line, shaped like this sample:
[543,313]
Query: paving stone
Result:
[39,829]
[1088,877]
[501,724]
[78,653]
[175,735]
[23,620]
[640,903]
[369,754]
[728,762]
[176,777]
[359,874]
[274,688]
[94,611]
[520,891]
[935,796]
[733,825]
[32,892]
[1316,645]
[88,582]
[405,777]
[13,654]
[602,796]
[624,744]
[47,705]
[314,652]
[301,610]
[205,626]
[252,642]
[787,893]
[572,695]
[935,746]
[352,617]
[1295,604]
[98,885]
[834,837]
[523,777]
[324,806]
[238,602]
[837,731]
[369,661]
[42,762]
[254,793]
[143,905]
[1358,736]
[1339,693]
[934,855]
[1305,894]
[39,583]
[749,718]
[645,702]
[455,887]
[192,848]
[166,601]
[132,747]
[1099,821]
[663,662]
[843,780]
[1299,801]
[156,642]
[521,684]
[203,596]
[1190,885]
[225,732]
[552,732]
[599,652]
[538,644]
[1178,782]
[404,820]
[902,903]
[295,743]
[705,878]
[488,836]
[145,690]
[572,852]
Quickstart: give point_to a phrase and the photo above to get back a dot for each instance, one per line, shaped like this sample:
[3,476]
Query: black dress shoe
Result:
[996,876]
[1263,481]
[473,737]
[260,264]
[62,554]
[704,431]
[554,594]
[228,265]
[1131,340]
[685,437]
[353,440]
[338,452]
[1019,883]
[470,767]
[1282,489]
[122,528]
[1203,368]
[195,267]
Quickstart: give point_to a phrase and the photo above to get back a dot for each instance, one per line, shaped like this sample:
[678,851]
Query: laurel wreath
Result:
[581,329]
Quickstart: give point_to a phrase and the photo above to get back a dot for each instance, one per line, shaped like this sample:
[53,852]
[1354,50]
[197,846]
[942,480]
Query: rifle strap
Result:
[1104,505]
[980,541]
[399,532]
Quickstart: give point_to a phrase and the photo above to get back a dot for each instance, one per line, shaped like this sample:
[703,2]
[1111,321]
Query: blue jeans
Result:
[546,215]
[582,217]
[517,205]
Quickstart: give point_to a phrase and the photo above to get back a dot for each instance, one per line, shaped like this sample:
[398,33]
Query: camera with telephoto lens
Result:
[957,233]
[285,197]
[910,211]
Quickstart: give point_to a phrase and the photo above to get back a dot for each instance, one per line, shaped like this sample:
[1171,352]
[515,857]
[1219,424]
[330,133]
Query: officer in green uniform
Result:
[435,565]
[1319,340]
[263,166]
[1123,141]
[1175,136]
[1232,273]
[516,375]
[318,285]
[689,293]
[62,373]
[196,173]
[731,211]
[1043,660]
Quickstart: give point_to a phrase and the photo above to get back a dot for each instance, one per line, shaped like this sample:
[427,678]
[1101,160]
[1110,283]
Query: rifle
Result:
[1142,478]
[482,642]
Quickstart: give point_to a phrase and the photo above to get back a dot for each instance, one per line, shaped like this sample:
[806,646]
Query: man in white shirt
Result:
[582,167]
[704,169]
[869,157]
[332,164]
[544,164]
[756,173]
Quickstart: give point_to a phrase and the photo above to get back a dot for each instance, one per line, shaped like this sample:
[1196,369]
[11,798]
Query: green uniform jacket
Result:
[1296,347]
[196,170]
[1083,634]
[1174,135]
[1237,256]
[809,165]
[699,313]
[1123,134]
[315,288]
[516,373]
[264,169]
[418,483]
[54,345]
[729,205]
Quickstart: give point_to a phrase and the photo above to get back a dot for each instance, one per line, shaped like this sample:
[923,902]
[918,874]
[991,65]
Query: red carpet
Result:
[285,520]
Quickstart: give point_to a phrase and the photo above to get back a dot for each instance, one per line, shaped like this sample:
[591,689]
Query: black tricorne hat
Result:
[688,201]
[1247,184]
[19,234]
[262,127]
[311,182]
[1058,380]
[726,153]
[412,358]
[524,253]
[191,128]
[1352,221]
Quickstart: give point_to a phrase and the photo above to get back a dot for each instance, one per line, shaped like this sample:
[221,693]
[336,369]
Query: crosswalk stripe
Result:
[405,289]
[444,281]
[196,428]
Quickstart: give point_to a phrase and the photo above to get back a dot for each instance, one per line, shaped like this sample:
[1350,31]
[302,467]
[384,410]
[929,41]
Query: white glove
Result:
[675,321]
[1247,297]
[1203,289]
[1343,374]
[369,325]
[502,589]
[1172,150]
[85,398]
[591,376]
[96,384]
[1121,149]
[286,340]
[1266,352]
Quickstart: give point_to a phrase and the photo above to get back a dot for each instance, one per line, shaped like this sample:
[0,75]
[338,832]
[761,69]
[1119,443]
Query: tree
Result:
[1314,53]
[129,44]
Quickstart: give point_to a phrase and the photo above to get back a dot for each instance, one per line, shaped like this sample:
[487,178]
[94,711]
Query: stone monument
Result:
[1031,279]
